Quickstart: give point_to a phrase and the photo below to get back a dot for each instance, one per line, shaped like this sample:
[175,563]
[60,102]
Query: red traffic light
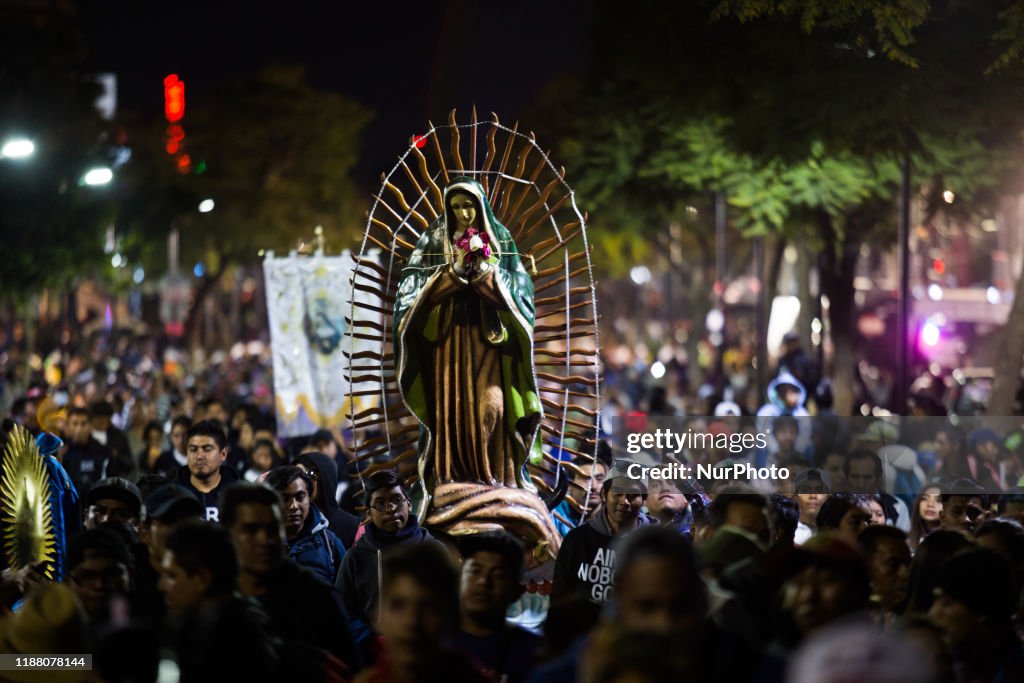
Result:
[174,98]
[175,138]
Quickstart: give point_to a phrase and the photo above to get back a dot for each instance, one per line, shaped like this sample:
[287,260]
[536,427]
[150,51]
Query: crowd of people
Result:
[195,545]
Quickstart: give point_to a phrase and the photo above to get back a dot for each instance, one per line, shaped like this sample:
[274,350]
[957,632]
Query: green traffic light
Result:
[200,167]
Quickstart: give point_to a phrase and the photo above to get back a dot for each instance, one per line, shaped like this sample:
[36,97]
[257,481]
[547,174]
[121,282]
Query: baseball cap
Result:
[171,502]
[620,481]
[812,475]
[115,488]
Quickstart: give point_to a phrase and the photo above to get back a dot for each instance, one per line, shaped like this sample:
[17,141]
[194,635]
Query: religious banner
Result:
[308,300]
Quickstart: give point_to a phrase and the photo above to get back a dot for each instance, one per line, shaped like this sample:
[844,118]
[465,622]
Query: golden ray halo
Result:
[26,517]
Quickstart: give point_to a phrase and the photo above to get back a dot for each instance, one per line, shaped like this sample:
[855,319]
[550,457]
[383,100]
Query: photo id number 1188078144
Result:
[71,662]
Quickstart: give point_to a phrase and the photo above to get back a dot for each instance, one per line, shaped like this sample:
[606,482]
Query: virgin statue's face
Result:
[463,207]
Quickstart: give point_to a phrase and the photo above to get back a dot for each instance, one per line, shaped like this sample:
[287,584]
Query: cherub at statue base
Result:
[461,509]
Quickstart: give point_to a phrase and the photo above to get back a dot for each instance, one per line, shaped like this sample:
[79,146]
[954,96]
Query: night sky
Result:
[408,62]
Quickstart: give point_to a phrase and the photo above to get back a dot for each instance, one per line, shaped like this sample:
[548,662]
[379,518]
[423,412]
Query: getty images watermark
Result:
[897,455]
[667,441]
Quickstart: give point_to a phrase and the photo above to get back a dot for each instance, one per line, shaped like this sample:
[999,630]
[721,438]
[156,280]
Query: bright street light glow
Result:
[930,334]
[640,275]
[658,370]
[948,196]
[992,295]
[206,206]
[934,292]
[715,320]
[17,148]
[98,176]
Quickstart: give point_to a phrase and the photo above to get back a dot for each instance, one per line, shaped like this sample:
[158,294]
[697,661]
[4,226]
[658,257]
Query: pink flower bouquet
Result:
[474,247]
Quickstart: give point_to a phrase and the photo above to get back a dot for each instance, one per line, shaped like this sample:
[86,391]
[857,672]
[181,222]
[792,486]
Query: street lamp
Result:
[206,206]
[101,175]
[17,148]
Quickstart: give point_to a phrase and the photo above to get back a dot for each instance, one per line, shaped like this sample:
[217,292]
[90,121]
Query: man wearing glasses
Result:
[389,524]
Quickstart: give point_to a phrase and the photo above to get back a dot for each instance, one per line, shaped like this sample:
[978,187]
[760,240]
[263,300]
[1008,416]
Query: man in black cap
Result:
[975,597]
[113,500]
[164,507]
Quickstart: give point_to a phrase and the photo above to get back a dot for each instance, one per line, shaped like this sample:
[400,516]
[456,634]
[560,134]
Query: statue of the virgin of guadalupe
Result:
[463,339]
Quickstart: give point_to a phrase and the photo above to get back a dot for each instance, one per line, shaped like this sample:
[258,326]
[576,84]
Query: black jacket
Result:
[229,641]
[122,464]
[210,500]
[167,465]
[343,524]
[303,609]
[358,581]
[86,464]
[317,548]
[585,564]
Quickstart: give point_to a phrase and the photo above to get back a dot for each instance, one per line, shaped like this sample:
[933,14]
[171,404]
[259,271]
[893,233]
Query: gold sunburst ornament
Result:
[25,513]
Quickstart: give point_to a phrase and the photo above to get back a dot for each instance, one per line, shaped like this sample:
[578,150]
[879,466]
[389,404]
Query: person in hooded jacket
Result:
[323,470]
[311,544]
[390,524]
[64,502]
[585,565]
[786,396]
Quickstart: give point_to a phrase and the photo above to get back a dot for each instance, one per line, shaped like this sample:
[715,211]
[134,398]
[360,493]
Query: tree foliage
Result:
[276,156]
[49,220]
[892,24]
[789,115]
[889,22]
[801,113]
